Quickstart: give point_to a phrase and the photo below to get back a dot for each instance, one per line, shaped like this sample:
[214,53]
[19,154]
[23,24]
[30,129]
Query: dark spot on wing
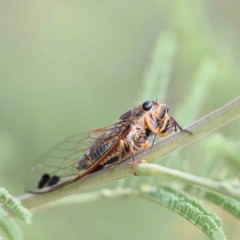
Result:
[54,180]
[44,180]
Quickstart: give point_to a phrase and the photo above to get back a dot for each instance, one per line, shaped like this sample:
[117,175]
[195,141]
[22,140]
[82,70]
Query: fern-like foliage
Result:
[10,227]
[227,203]
[187,207]
[14,206]
[173,198]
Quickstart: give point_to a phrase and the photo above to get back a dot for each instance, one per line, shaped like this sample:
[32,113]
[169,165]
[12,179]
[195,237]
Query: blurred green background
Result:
[72,66]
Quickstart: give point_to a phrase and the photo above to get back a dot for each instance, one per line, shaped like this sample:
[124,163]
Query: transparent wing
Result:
[61,160]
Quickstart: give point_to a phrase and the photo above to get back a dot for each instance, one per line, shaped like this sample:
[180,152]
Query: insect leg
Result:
[127,146]
[134,160]
[122,148]
[150,126]
[154,138]
[162,132]
[176,125]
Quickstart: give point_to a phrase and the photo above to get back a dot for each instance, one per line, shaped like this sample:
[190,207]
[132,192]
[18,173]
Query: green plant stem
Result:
[104,194]
[212,121]
[150,170]
[160,171]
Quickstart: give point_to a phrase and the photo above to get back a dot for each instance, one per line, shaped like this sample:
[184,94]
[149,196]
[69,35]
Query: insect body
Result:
[81,154]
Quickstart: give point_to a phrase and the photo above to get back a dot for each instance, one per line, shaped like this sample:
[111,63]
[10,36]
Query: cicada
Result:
[81,154]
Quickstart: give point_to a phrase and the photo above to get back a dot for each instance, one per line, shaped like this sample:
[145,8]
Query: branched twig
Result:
[201,127]
[217,186]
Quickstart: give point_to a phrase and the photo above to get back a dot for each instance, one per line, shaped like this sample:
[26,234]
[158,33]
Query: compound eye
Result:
[147,105]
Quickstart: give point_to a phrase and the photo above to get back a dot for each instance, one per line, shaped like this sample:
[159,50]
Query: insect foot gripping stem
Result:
[176,125]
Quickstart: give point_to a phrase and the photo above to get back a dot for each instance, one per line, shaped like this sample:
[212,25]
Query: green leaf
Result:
[14,205]
[229,204]
[10,227]
[188,208]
